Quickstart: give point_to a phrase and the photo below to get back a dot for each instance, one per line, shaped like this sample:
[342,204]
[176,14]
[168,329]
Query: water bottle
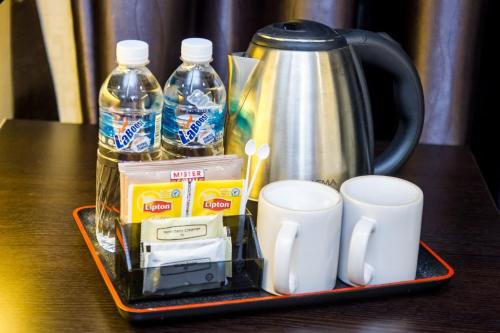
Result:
[194,108]
[130,107]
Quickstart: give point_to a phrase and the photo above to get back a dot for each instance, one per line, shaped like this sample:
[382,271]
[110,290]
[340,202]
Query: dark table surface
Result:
[49,282]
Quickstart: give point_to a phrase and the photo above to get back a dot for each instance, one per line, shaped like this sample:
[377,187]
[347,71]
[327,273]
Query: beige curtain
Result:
[56,20]
[6,102]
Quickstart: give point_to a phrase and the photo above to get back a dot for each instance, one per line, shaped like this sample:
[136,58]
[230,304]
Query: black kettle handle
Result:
[383,52]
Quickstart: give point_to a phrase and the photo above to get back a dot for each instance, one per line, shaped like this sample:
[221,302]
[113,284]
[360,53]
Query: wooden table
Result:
[49,282]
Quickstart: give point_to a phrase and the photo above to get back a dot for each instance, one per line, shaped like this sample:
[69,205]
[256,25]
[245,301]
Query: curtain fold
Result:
[444,40]
[33,87]
[335,13]
[85,43]
[162,24]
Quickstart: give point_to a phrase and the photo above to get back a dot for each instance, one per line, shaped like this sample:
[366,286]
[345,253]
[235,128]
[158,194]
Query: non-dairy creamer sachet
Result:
[178,229]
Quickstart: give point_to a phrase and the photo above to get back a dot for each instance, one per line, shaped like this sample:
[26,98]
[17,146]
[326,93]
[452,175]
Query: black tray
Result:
[432,272]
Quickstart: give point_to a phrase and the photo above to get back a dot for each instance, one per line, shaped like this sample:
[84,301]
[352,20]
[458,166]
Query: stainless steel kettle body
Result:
[309,102]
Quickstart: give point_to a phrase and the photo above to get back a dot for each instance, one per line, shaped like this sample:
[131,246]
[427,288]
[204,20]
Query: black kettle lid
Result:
[299,35]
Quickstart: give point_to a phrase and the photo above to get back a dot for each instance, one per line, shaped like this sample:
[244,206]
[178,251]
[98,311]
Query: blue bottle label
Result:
[128,132]
[198,122]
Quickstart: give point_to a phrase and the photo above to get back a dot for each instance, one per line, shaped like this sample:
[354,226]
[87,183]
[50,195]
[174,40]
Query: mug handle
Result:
[358,271]
[282,257]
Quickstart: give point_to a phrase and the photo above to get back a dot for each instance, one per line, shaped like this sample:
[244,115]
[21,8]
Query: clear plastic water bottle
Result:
[130,106]
[194,109]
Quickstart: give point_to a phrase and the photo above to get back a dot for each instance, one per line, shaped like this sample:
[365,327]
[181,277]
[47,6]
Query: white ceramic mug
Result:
[380,230]
[298,226]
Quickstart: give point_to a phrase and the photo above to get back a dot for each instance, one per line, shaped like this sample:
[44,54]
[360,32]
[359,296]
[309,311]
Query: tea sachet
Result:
[158,200]
[211,197]
[183,170]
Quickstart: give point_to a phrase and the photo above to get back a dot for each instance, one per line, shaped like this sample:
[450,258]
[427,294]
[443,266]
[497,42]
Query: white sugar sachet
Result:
[190,265]
[176,253]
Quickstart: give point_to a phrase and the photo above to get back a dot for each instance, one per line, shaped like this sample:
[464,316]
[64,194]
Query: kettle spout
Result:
[241,69]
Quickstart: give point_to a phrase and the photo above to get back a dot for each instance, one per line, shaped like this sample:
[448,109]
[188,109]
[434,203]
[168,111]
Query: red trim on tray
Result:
[120,238]
[126,308]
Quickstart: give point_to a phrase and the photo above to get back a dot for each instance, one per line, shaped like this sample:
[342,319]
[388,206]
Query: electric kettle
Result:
[300,88]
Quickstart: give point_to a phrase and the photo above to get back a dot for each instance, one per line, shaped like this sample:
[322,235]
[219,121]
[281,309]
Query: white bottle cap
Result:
[196,50]
[132,52]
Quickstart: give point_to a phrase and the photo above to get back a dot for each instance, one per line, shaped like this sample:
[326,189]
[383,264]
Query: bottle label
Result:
[129,133]
[199,122]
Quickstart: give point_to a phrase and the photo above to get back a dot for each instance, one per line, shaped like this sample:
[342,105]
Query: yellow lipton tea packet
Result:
[156,200]
[214,196]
